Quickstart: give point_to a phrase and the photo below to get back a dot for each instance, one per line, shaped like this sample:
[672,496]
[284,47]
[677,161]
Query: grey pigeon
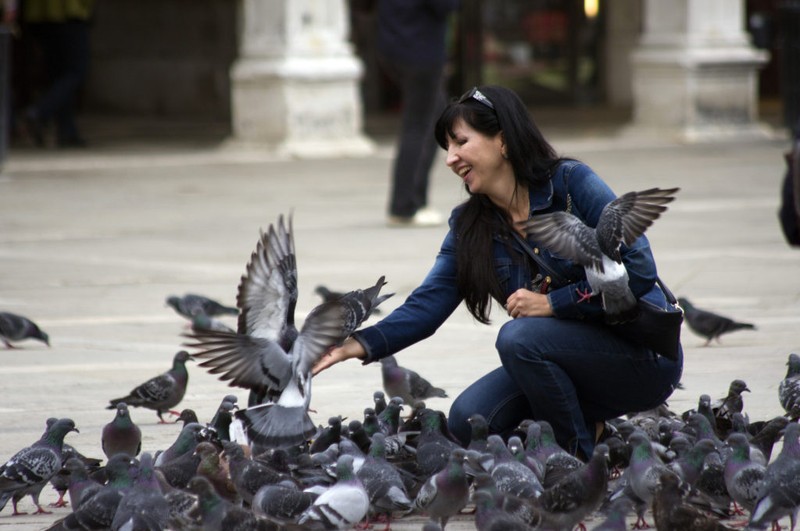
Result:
[121,435]
[218,514]
[220,424]
[556,462]
[479,432]
[490,517]
[328,435]
[434,448]
[248,475]
[689,466]
[789,387]
[187,416]
[707,324]
[405,383]
[382,481]
[616,516]
[329,295]
[445,493]
[160,393]
[577,495]
[389,418]
[97,511]
[184,443]
[342,505]
[379,399]
[672,512]
[283,502]
[205,323]
[61,480]
[743,477]
[215,470]
[80,484]
[192,304]
[15,327]
[642,476]
[29,470]
[711,483]
[144,507]
[780,492]
[510,475]
[264,356]
[621,221]
[519,508]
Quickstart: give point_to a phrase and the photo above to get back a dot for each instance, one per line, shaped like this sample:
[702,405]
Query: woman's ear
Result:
[503,148]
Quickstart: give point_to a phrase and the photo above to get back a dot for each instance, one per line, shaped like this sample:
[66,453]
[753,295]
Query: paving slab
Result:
[93,241]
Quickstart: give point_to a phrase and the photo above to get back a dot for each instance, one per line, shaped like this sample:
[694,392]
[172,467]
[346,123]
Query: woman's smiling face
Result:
[476,158]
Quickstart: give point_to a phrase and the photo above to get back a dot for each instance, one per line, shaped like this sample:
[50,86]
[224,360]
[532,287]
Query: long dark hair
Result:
[491,111]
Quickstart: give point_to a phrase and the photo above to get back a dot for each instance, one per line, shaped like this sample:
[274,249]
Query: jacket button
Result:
[535,250]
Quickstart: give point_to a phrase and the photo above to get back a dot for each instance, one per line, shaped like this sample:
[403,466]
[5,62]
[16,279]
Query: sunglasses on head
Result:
[477,95]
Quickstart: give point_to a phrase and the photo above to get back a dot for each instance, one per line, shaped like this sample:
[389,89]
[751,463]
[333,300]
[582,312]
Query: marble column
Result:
[295,84]
[695,72]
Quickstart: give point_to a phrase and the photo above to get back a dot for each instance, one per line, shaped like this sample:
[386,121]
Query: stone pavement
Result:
[91,243]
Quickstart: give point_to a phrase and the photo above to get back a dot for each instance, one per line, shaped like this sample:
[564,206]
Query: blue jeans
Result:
[569,373]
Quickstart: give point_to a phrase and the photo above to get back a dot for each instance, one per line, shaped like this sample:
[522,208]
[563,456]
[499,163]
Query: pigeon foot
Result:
[585,295]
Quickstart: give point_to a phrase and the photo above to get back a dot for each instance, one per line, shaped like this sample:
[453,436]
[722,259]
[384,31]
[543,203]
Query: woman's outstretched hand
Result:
[527,303]
[349,349]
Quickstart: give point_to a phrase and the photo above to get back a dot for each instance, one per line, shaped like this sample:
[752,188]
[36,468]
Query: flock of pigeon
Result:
[267,466]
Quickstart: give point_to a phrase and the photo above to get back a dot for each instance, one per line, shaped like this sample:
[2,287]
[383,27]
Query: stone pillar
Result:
[695,72]
[295,85]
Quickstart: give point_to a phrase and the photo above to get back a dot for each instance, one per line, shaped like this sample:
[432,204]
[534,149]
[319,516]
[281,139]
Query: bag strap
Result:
[667,292]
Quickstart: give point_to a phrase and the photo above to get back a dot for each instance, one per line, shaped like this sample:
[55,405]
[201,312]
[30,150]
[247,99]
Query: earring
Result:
[504,154]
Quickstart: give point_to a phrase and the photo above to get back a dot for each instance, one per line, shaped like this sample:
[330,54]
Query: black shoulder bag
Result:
[655,328]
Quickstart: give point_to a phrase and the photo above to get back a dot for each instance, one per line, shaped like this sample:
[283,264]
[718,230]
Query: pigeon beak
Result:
[746,389]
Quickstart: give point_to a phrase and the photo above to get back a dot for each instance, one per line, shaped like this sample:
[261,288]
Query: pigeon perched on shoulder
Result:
[160,393]
[15,327]
[707,324]
[29,470]
[191,304]
[405,383]
[789,388]
[597,249]
[121,435]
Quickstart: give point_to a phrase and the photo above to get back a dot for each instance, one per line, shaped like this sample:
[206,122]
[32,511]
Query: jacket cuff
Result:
[564,303]
[374,342]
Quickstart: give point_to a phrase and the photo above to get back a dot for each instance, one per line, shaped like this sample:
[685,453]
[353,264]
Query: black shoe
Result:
[608,431]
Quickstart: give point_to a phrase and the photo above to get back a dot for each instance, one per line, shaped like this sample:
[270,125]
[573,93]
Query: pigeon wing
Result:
[567,236]
[248,362]
[268,290]
[626,218]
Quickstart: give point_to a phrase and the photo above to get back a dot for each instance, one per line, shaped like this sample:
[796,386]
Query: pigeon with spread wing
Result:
[597,249]
[267,355]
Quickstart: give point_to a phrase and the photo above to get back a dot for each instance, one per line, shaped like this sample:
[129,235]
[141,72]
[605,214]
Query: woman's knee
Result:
[517,338]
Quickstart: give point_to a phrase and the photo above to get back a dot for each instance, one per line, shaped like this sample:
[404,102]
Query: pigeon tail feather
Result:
[273,425]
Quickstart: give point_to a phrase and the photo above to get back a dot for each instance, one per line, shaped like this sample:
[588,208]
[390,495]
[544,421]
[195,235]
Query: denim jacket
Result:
[436,298]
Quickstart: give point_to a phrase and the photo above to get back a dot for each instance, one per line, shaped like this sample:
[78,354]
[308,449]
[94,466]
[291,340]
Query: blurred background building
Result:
[303,72]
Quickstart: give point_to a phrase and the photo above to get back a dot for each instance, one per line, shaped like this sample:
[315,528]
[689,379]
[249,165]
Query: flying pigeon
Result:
[597,249]
[191,304]
[15,327]
[405,383]
[162,392]
[121,435]
[266,356]
[445,493]
[789,387]
[329,295]
[29,470]
[342,505]
[708,324]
